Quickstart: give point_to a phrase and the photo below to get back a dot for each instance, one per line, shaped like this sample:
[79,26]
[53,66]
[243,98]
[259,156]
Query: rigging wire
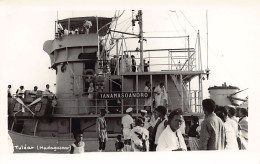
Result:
[189,22]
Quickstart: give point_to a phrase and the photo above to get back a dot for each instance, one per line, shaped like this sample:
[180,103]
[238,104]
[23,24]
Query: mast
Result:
[141,39]
[207,69]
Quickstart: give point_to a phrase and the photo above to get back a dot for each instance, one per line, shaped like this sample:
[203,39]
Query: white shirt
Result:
[127,120]
[231,138]
[234,125]
[159,130]
[80,149]
[135,141]
[169,141]
[146,122]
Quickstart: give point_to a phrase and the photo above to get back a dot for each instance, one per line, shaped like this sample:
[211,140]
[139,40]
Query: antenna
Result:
[207,39]
[207,69]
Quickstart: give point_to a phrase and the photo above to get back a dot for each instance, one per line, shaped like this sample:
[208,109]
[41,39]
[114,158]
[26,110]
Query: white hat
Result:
[129,110]
[231,106]
[143,111]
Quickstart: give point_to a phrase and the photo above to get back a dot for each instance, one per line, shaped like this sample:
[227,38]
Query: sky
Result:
[230,30]
[233,40]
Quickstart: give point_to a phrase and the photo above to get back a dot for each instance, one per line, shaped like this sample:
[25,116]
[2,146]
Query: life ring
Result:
[88,75]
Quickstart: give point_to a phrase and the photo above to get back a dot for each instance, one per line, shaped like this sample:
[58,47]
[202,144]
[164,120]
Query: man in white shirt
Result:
[33,93]
[161,123]
[160,95]
[127,125]
[20,92]
[47,92]
[139,137]
[171,138]
[232,119]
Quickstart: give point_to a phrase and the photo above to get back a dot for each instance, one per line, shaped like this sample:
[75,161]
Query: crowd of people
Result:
[127,65]
[21,92]
[221,129]
[80,29]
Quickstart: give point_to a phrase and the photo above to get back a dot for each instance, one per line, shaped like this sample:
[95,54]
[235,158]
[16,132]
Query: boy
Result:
[78,146]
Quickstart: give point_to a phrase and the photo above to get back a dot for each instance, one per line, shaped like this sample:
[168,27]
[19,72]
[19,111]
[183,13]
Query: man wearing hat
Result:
[127,126]
[139,137]
[145,119]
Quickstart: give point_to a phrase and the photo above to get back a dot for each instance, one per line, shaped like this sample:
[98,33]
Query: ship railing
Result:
[184,59]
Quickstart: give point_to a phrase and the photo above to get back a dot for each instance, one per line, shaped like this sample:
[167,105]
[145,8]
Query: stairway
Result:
[180,90]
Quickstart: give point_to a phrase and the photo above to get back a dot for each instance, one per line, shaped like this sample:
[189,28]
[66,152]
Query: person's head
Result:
[47,86]
[78,135]
[129,111]
[160,111]
[161,84]
[132,56]
[243,112]
[208,106]
[21,87]
[222,113]
[194,120]
[9,86]
[115,56]
[119,137]
[231,111]
[175,119]
[143,112]
[147,83]
[102,112]
[35,88]
[90,84]
[139,122]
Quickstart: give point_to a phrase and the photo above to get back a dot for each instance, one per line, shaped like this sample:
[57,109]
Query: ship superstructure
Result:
[80,57]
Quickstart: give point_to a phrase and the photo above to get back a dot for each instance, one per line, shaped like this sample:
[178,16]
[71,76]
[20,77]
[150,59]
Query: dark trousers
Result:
[102,145]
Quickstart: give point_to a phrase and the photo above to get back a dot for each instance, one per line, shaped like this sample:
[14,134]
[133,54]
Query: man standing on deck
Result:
[212,134]
[33,93]
[127,126]
[113,64]
[9,91]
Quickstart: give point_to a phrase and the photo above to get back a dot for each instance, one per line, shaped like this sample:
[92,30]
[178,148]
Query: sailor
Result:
[127,126]
[20,92]
[145,119]
[33,92]
[9,91]
[139,137]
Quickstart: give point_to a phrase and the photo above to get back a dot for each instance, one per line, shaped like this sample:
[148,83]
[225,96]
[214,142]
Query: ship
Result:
[81,54]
